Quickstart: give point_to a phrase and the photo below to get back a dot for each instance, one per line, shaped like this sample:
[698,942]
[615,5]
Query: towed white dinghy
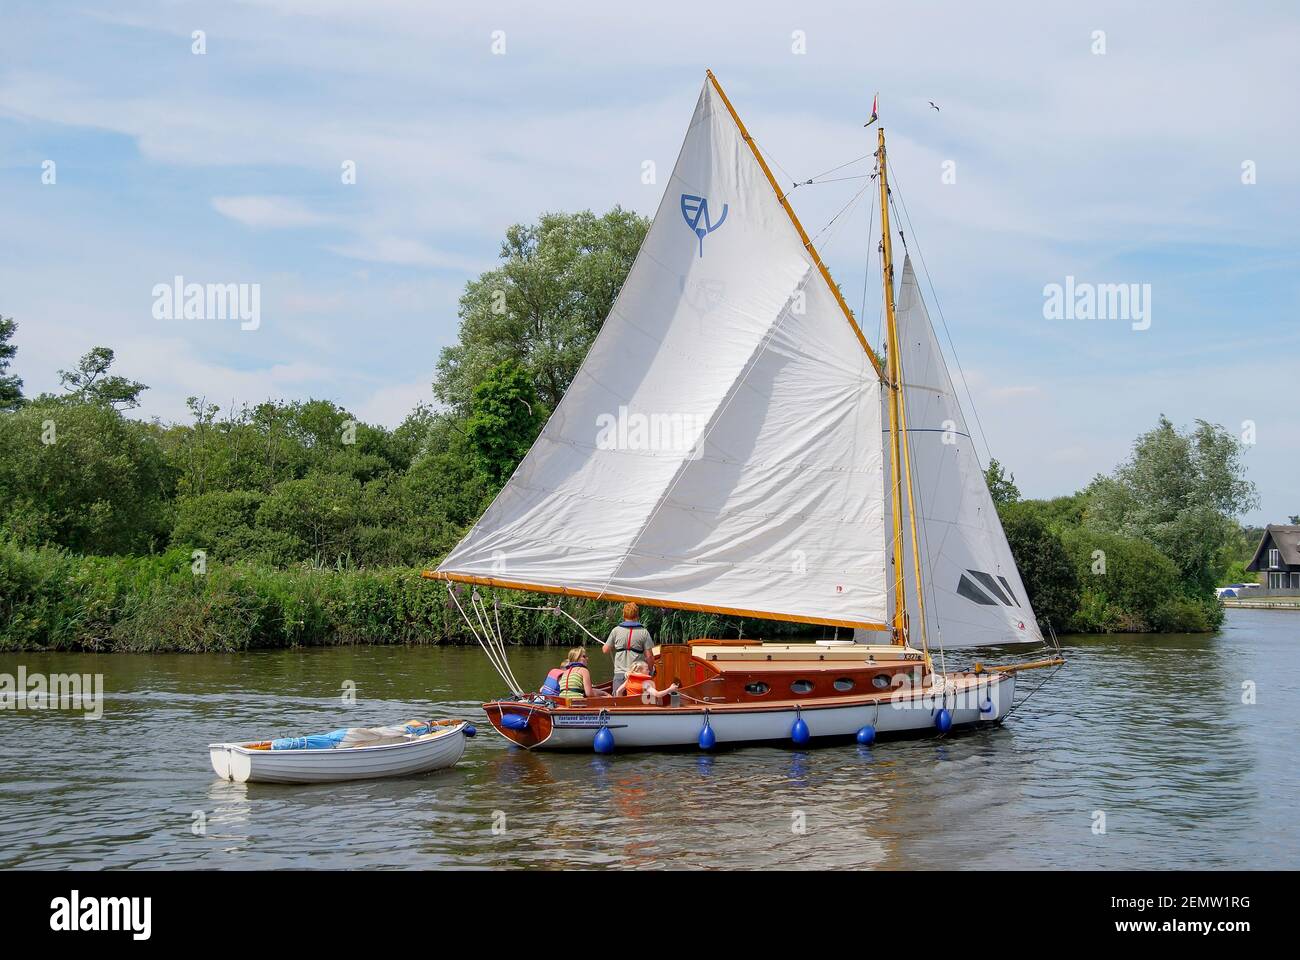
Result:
[352,753]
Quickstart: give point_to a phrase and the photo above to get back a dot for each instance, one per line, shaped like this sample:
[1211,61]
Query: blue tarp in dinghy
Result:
[355,736]
[314,741]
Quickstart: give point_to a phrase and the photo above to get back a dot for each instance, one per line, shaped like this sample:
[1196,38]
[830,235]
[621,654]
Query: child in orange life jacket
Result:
[629,642]
[639,684]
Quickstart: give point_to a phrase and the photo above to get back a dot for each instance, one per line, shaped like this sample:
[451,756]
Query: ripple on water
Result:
[1150,732]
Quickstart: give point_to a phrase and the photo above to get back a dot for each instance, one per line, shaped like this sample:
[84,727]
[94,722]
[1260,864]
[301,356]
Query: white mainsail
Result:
[973,592]
[717,449]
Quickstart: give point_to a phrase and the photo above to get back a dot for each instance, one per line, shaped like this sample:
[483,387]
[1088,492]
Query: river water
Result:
[1147,737]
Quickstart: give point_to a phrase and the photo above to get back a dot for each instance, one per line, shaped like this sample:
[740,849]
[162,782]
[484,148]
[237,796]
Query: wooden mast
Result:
[898,430]
[892,384]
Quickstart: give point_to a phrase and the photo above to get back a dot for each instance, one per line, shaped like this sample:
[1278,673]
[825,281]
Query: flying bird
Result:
[935,105]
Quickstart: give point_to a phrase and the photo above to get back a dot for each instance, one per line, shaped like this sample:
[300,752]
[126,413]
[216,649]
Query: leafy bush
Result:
[52,599]
[1187,615]
[1045,567]
[1124,583]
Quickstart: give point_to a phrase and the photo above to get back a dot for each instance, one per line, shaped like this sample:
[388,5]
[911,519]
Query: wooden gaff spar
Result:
[817,474]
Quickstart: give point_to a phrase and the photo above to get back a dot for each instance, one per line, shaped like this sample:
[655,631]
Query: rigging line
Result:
[470,624]
[865,176]
[772,157]
[490,653]
[555,609]
[846,163]
[1017,706]
[948,333]
[480,611]
[499,640]
[866,270]
[594,638]
[853,202]
[796,183]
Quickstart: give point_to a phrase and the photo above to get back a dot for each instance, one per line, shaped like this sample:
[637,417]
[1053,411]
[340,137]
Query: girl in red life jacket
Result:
[639,684]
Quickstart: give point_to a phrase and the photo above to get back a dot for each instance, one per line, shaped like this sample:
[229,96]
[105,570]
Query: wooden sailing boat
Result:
[720,449]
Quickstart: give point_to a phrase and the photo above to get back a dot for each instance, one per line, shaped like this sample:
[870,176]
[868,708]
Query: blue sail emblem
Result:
[695,210]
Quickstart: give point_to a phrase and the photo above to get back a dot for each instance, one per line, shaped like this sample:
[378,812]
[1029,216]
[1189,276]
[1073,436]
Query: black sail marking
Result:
[990,585]
[965,588]
[1010,592]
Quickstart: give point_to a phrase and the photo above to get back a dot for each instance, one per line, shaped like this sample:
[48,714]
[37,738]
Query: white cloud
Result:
[1010,392]
[406,252]
[389,405]
[268,212]
[1066,163]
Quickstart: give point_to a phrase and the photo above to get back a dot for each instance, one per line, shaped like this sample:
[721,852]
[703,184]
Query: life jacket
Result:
[632,626]
[572,684]
[554,678]
[636,684]
[551,685]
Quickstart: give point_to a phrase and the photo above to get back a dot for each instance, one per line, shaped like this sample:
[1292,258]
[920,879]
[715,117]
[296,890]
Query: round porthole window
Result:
[880,681]
[756,689]
[844,684]
[802,686]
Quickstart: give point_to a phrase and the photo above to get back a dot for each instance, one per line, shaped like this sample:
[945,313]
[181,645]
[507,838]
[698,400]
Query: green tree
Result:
[11,387]
[1236,572]
[1045,567]
[445,486]
[222,522]
[1180,491]
[315,515]
[543,305]
[1002,486]
[84,477]
[90,382]
[505,417]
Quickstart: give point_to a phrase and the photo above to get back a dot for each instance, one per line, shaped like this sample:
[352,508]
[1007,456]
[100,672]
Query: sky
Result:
[1150,144]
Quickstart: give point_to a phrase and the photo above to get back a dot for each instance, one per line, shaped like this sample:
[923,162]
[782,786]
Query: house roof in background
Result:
[1285,538]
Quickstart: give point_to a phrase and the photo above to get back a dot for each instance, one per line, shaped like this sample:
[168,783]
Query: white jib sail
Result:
[973,592]
[717,449]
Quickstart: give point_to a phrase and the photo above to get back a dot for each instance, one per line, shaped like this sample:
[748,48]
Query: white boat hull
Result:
[236,762]
[652,727]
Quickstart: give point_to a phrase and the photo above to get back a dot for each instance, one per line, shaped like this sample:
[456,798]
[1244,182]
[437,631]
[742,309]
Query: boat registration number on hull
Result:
[583,721]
